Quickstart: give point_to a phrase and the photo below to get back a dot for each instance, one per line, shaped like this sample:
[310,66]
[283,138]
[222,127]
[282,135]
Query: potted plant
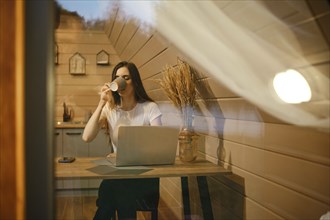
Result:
[179,84]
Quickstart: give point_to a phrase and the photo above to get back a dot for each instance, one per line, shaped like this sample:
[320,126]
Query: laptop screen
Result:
[146,145]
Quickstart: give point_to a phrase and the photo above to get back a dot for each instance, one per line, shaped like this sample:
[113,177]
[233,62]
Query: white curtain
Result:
[236,56]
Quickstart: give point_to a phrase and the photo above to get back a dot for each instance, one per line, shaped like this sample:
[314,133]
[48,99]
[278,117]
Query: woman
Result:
[131,106]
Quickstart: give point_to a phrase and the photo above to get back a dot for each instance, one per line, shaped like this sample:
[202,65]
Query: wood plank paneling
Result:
[150,49]
[91,48]
[285,202]
[308,44]
[90,69]
[126,35]
[117,29]
[152,83]
[317,58]
[137,41]
[215,89]
[256,211]
[234,108]
[173,186]
[111,20]
[72,90]
[229,200]
[158,95]
[98,80]
[170,206]
[168,57]
[303,143]
[300,142]
[305,177]
[82,101]
[64,37]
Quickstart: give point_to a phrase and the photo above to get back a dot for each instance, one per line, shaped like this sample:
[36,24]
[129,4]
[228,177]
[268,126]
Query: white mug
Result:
[118,84]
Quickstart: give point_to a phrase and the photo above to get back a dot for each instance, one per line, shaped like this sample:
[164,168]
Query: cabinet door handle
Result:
[57,133]
[73,133]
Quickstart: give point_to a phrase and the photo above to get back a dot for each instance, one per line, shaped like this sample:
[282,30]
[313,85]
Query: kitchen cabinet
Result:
[73,145]
[58,152]
[58,143]
[69,143]
[100,146]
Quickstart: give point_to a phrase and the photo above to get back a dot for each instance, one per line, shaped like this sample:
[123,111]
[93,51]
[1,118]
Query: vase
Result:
[188,145]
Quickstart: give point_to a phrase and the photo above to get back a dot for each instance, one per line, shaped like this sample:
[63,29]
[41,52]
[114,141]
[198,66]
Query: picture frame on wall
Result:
[102,58]
[77,64]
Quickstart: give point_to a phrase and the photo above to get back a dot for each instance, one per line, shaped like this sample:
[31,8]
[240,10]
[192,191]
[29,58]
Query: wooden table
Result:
[97,167]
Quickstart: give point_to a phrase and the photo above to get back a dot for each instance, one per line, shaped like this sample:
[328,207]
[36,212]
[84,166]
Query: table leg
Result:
[204,196]
[185,198]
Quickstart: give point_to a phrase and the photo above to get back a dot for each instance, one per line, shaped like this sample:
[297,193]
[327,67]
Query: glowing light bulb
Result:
[292,87]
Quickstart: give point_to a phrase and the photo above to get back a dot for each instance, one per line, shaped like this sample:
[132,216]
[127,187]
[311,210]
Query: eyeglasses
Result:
[126,77]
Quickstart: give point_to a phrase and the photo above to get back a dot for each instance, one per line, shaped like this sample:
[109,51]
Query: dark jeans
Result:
[126,196]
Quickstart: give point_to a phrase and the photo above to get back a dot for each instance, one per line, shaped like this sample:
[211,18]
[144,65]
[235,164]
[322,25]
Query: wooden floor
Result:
[75,207]
[83,208]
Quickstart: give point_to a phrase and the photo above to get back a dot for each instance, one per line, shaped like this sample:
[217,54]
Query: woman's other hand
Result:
[111,155]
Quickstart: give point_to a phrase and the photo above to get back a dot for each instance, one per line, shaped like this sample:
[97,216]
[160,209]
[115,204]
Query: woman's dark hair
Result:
[140,93]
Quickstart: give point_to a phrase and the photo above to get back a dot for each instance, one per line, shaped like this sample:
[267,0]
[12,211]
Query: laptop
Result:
[145,145]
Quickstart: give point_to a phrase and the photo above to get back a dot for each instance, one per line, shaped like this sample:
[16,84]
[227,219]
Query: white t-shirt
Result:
[141,114]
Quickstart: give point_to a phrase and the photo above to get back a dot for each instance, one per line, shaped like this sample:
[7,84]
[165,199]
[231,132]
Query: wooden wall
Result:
[80,92]
[279,171]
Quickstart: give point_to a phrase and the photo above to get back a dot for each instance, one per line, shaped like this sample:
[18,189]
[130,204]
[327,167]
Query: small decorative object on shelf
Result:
[77,64]
[180,86]
[67,114]
[102,58]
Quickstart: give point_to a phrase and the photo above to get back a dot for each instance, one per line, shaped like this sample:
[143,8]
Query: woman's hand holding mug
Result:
[106,95]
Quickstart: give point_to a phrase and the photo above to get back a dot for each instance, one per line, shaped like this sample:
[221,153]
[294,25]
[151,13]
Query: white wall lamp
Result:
[292,87]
